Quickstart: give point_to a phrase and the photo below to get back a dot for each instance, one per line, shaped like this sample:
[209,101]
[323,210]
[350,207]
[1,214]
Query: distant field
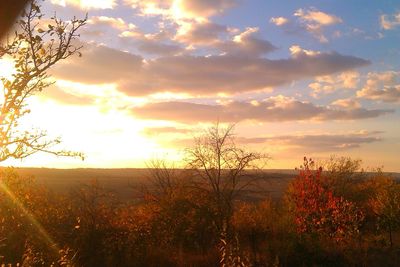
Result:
[125,183]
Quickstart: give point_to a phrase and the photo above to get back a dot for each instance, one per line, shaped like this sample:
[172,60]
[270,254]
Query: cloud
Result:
[390,22]
[272,109]
[197,75]
[205,33]
[188,18]
[310,20]
[347,103]
[67,98]
[87,4]
[279,21]
[102,96]
[300,143]
[328,84]
[198,10]
[158,43]
[247,44]
[204,8]
[317,142]
[99,64]
[154,131]
[314,21]
[117,23]
[316,17]
[384,86]
[232,74]
[296,50]
[99,26]
[156,48]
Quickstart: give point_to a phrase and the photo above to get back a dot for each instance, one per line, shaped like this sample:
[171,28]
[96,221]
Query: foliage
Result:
[318,211]
[91,227]
[343,175]
[33,50]
[385,204]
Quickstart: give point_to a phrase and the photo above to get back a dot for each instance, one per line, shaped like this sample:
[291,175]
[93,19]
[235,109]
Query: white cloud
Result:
[117,23]
[188,18]
[279,21]
[390,22]
[296,50]
[87,4]
[158,43]
[310,20]
[328,84]
[198,10]
[347,103]
[384,86]
[316,17]
[203,8]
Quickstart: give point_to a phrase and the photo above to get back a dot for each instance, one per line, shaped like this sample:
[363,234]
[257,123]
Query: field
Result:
[124,183]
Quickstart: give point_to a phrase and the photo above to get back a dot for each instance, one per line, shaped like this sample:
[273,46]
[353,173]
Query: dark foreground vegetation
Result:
[338,216]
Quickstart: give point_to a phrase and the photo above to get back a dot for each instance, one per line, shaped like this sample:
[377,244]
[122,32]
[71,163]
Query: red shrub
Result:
[316,210]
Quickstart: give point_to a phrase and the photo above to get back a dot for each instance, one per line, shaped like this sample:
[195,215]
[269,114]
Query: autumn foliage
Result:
[172,223]
[317,210]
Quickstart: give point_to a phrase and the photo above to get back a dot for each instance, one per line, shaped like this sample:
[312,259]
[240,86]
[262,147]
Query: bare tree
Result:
[164,177]
[34,48]
[223,170]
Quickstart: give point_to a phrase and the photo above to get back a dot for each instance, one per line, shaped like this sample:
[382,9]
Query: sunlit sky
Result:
[313,78]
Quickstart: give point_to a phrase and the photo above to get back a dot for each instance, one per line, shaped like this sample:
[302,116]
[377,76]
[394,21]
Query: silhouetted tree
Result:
[222,170]
[33,49]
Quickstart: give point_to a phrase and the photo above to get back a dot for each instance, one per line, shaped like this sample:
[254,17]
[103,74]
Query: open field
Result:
[125,183]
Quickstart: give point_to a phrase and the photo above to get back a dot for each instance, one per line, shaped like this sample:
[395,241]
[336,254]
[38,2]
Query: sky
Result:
[297,78]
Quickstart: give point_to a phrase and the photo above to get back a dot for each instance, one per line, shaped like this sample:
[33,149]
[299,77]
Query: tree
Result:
[184,217]
[343,175]
[33,50]
[385,204]
[222,170]
[317,210]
